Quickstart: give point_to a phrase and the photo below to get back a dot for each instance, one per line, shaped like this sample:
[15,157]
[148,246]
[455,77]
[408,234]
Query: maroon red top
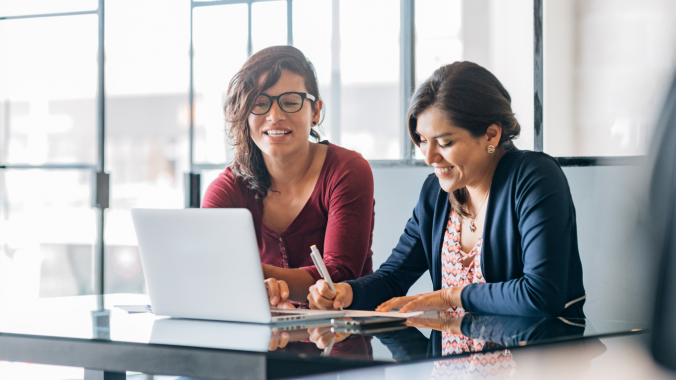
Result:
[338,218]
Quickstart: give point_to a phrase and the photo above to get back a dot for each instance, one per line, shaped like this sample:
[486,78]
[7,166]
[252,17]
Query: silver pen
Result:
[321,268]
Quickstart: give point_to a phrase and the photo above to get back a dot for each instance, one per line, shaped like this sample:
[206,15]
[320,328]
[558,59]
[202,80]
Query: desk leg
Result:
[92,374]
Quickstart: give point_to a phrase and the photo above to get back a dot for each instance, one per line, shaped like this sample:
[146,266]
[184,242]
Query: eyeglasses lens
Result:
[291,102]
[262,105]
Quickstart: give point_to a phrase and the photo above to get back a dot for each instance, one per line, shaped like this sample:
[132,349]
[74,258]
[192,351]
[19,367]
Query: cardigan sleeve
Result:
[401,270]
[546,222]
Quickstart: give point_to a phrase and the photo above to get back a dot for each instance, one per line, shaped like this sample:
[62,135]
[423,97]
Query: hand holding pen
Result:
[321,268]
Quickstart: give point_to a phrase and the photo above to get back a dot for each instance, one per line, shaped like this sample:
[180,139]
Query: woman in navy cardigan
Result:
[511,210]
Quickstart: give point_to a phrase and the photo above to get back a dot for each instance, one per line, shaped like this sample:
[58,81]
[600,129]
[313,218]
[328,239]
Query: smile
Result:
[441,171]
[276,133]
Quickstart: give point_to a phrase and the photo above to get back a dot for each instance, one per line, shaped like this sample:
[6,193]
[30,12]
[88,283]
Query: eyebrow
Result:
[438,136]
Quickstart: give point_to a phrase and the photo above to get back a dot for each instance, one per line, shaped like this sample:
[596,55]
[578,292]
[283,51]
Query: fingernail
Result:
[285,295]
[275,299]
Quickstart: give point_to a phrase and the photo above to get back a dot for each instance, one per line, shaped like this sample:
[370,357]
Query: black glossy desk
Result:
[73,331]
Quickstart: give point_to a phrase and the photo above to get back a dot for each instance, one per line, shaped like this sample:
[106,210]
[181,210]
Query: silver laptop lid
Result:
[202,264]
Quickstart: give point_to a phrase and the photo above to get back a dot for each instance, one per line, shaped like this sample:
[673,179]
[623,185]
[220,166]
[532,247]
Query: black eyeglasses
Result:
[289,102]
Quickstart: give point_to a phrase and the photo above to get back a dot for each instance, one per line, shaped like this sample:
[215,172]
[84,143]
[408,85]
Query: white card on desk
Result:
[135,308]
[391,314]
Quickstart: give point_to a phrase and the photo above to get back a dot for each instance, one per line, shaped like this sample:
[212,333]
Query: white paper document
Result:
[362,313]
[135,308]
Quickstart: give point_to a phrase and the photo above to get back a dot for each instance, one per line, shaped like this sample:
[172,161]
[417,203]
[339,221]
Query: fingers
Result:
[394,303]
[322,336]
[284,340]
[278,340]
[286,305]
[278,291]
[343,296]
[283,289]
[324,290]
[423,302]
[315,298]
[272,286]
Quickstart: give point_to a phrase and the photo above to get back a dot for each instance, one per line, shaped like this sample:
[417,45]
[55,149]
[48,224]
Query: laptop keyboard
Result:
[285,313]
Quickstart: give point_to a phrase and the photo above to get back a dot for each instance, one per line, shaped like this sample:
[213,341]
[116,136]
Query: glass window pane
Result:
[47,233]
[147,76]
[220,43]
[32,7]
[268,24]
[371,116]
[496,34]
[607,67]
[312,35]
[48,89]
[438,35]
[207,177]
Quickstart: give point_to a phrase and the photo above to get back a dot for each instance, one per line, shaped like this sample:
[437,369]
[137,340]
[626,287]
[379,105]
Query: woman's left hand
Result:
[442,321]
[439,300]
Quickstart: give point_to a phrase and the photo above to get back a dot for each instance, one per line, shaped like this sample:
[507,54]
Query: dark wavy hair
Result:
[471,98]
[248,164]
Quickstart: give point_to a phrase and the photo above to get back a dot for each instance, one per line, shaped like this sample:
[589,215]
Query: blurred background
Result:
[606,65]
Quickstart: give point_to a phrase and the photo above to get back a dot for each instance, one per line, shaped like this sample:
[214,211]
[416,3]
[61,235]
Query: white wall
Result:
[617,272]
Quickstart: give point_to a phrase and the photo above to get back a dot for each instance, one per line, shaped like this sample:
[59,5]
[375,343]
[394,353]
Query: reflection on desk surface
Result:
[432,335]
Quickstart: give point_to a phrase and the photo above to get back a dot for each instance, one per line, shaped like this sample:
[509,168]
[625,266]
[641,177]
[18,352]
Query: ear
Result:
[493,135]
[317,112]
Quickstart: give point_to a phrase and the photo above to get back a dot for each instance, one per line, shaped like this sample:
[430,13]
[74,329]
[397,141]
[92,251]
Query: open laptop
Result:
[204,264]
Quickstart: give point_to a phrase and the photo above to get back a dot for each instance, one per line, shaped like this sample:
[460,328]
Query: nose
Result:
[275,114]
[431,154]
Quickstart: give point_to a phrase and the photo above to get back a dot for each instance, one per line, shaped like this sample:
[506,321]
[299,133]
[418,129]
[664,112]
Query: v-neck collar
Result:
[315,192]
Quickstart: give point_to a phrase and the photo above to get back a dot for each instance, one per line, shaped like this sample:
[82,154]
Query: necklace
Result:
[472,227]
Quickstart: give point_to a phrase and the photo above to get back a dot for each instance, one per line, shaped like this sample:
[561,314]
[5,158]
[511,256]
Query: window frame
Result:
[407,79]
[100,182]
[100,185]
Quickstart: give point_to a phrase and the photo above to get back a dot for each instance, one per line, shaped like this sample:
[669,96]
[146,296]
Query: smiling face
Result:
[459,159]
[278,133]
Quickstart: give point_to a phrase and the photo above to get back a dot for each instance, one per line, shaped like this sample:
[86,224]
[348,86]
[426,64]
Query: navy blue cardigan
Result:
[529,254]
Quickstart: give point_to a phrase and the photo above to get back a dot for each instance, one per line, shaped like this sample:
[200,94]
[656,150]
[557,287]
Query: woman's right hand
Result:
[278,292]
[322,298]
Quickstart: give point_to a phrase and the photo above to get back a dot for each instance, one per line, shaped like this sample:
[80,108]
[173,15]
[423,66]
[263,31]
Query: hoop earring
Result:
[491,149]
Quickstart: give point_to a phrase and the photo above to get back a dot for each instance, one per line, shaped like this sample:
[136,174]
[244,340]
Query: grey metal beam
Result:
[191,98]
[249,42]
[407,63]
[336,105]
[92,12]
[226,2]
[49,166]
[102,204]
[538,75]
[289,22]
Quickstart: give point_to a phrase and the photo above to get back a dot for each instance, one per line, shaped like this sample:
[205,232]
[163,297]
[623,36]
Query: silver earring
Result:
[491,149]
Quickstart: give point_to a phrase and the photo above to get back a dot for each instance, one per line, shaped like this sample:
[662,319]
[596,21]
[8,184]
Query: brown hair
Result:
[248,164]
[471,98]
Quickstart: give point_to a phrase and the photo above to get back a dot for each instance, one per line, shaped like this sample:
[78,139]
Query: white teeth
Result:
[276,133]
[441,170]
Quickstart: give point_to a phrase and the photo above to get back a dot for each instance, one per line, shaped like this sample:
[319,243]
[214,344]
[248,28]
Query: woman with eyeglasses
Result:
[301,192]
[494,225]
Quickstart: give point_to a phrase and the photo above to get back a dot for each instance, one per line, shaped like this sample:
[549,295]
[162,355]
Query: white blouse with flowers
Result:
[489,365]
